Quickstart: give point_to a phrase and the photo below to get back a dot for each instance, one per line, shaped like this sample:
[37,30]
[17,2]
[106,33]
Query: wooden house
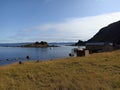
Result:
[78,52]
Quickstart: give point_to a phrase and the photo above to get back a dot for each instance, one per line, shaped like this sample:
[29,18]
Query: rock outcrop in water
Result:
[37,44]
[80,43]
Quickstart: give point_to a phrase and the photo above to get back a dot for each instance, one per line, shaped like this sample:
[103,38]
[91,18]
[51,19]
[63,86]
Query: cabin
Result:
[99,47]
[79,53]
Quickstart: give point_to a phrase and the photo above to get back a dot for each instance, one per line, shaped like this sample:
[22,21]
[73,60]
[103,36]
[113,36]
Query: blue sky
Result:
[54,20]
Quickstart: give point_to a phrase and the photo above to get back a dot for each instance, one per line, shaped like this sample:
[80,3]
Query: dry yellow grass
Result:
[95,72]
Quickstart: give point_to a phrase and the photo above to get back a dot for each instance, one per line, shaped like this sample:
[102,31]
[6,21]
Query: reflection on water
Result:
[14,54]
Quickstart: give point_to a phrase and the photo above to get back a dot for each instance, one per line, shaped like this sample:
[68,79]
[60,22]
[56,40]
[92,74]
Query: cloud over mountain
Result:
[76,28]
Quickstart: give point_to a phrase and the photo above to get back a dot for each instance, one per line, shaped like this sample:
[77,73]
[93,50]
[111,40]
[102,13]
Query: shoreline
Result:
[55,59]
[34,61]
[80,72]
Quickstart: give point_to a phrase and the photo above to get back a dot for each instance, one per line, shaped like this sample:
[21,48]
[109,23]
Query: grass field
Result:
[96,72]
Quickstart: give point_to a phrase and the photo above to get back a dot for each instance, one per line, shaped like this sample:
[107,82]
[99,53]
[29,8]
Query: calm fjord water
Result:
[10,55]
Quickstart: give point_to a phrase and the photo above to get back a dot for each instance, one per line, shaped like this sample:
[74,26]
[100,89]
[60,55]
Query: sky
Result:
[55,20]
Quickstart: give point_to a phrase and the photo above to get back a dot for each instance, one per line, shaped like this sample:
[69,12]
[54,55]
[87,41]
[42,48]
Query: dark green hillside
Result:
[111,33]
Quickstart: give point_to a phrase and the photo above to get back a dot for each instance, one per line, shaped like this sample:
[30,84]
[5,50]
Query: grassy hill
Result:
[95,72]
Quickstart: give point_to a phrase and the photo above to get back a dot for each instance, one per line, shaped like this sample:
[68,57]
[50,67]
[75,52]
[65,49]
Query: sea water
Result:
[10,55]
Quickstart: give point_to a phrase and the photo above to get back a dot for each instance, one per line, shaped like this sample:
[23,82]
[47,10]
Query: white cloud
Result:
[80,28]
[71,29]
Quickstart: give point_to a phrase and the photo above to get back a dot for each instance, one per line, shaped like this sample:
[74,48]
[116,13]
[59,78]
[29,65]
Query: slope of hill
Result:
[96,72]
[111,33]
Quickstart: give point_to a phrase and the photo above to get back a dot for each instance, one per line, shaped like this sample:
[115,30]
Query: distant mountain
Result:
[62,43]
[22,44]
[12,44]
[111,33]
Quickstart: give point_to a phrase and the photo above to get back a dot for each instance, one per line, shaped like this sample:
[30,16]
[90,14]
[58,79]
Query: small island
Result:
[37,44]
